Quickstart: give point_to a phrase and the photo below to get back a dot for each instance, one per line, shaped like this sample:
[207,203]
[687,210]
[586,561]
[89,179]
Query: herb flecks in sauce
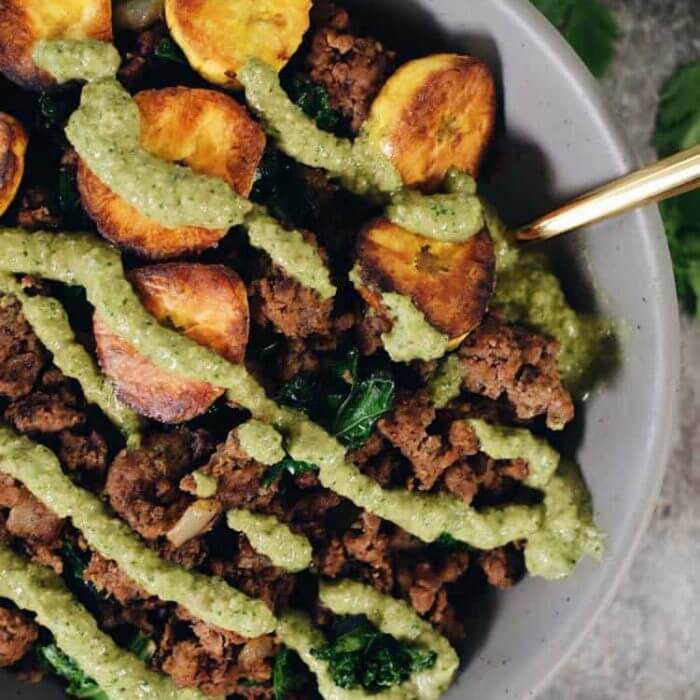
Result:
[49,321]
[392,617]
[261,442]
[289,251]
[105,131]
[120,674]
[76,59]
[284,548]
[210,599]
[452,218]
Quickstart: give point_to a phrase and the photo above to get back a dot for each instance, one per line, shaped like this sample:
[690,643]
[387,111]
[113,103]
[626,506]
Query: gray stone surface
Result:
[646,646]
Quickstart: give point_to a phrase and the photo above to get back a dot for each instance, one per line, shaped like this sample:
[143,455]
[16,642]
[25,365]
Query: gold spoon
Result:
[667,178]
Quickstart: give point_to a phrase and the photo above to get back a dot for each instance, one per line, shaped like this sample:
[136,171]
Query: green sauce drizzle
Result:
[361,168]
[50,323]
[272,538]
[76,59]
[120,674]
[210,599]
[392,617]
[105,131]
[261,442]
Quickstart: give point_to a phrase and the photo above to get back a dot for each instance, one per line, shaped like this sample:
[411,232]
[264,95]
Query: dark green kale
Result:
[314,101]
[74,564]
[342,400]
[68,197]
[142,646]
[288,674]
[79,684]
[167,50]
[588,26]
[366,658]
[448,543]
[678,128]
[55,108]
[286,466]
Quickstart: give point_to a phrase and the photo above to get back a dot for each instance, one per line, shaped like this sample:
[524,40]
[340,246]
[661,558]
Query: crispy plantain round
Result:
[13,148]
[218,38]
[433,114]
[24,22]
[451,283]
[209,304]
[209,132]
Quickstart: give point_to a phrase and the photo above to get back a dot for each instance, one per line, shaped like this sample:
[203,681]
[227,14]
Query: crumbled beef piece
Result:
[216,661]
[501,359]
[494,477]
[188,555]
[43,412]
[142,484]
[21,354]
[82,452]
[330,557]
[295,357]
[369,332]
[406,427]
[10,491]
[31,520]
[133,71]
[423,584]
[108,578]
[253,574]
[294,310]
[351,68]
[503,566]
[238,477]
[18,632]
[460,481]
[38,210]
[366,543]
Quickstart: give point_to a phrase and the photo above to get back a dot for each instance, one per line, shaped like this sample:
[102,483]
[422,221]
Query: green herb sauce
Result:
[289,251]
[261,442]
[411,336]
[121,675]
[205,486]
[446,383]
[568,532]
[274,539]
[210,599]
[49,321]
[392,617]
[105,131]
[452,218]
[361,168]
[76,59]
[528,292]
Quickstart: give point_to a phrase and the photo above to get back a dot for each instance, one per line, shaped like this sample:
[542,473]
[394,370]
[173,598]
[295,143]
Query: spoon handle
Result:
[669,177]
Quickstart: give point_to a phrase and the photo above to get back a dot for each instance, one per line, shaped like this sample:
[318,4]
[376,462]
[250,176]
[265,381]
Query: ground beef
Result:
[134,70]
[406,427]
[216,661]
[108,578]
[142,484]
[21,354]
[501,359]
[31,520]
[369,332]
[38,210]
[237,475]
[82,452]
[42,412]
[351,68]
[18,632]
[503,566]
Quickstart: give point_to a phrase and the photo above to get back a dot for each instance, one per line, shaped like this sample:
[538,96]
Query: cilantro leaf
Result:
[588,26]
[678,128]
[315,103]
[167,50]
[79,684]
[142,646]
[366,657]
[287,465]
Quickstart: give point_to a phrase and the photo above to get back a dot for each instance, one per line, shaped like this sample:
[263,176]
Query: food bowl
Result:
[556,139]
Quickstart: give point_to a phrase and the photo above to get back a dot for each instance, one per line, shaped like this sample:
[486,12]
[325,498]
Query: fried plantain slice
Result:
[218,37]
[451,283]
[209,304]
[13,147]
[209,132]
[433,114]
[24,22]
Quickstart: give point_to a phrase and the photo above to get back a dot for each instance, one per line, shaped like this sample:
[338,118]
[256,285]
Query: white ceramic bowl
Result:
[557,139]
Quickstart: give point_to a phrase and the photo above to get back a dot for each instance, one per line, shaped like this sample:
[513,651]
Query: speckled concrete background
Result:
[647,644]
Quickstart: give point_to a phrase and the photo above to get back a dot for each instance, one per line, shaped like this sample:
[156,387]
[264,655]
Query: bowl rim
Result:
[660,442]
